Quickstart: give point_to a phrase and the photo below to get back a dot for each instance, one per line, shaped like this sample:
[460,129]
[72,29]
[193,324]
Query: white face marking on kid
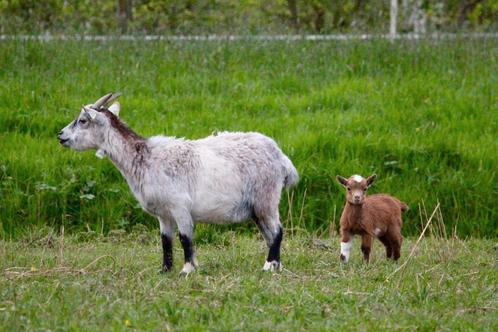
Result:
[357,178]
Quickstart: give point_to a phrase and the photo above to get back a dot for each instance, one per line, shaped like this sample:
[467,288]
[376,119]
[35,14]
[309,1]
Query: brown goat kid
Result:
[373,216]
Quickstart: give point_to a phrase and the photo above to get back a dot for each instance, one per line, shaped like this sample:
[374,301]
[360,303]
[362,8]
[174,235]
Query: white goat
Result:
[223,178]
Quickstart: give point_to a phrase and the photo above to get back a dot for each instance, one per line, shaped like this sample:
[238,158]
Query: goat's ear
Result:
[91,113]
[115,108]
[343,181]
[371,179]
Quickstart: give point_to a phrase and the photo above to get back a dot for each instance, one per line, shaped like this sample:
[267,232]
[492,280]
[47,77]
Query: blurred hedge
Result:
[245,16]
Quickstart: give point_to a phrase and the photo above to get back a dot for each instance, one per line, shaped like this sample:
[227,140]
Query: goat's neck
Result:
[354,211]
[126,153]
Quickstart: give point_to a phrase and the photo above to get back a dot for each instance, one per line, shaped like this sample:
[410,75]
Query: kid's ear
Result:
[371,179]
[343,181]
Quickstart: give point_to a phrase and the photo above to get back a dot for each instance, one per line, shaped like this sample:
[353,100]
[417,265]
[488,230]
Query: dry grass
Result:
[447,284]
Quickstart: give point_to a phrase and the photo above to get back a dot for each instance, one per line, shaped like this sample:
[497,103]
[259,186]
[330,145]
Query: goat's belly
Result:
[219,209]
[216,211]
[219,196]
[217,220]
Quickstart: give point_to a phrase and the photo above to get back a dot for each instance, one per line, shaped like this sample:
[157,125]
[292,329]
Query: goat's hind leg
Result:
[387,243]
[271,228]
[396,240]
[397,247]
[366,246]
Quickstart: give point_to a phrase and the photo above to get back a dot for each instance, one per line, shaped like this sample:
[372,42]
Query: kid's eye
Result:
[82,121]
[349,189]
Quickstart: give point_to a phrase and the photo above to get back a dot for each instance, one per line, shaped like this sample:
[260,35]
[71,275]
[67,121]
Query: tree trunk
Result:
[319,19]
[393,18]
[124,14]
[294,20]
[129,10]
[420,18]
[359,6]
[466,7]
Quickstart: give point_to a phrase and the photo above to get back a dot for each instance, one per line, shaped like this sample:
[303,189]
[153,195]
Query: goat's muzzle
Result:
[62,140]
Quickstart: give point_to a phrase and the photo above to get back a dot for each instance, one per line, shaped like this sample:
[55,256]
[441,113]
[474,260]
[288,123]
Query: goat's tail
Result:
[291,175]
[403,206]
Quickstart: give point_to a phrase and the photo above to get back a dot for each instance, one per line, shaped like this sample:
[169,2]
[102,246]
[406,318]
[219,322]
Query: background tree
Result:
[124,14]
[242,17]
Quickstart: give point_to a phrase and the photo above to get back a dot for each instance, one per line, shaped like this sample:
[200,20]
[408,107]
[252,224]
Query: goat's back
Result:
[252,153]
[384,207]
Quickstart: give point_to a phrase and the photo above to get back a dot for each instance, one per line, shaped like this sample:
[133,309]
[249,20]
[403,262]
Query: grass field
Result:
[422,115]
[62,283]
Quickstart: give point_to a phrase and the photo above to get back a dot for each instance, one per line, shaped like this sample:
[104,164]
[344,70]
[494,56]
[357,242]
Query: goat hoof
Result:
[187,269]
[273,266]
[164,270]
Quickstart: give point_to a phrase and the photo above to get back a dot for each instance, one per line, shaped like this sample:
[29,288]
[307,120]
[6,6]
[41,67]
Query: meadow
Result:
[421,114]
[78,253]
[70,283]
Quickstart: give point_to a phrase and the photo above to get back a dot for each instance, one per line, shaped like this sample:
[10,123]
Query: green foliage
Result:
[228,16]
[422,115]
[56,283]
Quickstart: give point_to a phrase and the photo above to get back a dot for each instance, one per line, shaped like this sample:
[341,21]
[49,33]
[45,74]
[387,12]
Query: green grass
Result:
[422,115]
[68,283]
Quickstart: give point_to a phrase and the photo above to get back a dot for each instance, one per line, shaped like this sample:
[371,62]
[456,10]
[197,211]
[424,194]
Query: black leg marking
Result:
[366,252]
[167,242]
[274,253]
[188,249]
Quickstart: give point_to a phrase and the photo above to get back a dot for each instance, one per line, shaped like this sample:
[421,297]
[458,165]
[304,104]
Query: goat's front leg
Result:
[166,226]
[346,244]
[366,246]
[186,234]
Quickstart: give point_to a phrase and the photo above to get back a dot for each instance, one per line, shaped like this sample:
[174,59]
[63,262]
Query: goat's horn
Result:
[113,97]
[102,101]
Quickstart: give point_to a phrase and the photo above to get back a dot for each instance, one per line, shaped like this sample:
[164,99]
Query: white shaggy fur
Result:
[223,178]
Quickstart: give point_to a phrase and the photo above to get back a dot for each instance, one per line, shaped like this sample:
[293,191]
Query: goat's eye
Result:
[83,121]
[349,189]
[364,189]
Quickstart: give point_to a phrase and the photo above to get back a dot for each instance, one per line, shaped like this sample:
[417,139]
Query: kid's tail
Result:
[403,206]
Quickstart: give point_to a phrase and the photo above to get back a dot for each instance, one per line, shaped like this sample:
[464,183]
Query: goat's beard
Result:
[100,153]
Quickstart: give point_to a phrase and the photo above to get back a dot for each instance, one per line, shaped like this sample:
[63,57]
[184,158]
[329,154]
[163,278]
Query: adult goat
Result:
[223,178]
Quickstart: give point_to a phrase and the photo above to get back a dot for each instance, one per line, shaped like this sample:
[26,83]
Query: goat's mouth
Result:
[63,141]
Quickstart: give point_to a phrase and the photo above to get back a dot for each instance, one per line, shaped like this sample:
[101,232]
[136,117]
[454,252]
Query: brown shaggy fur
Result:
[120,126]
[373,216]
